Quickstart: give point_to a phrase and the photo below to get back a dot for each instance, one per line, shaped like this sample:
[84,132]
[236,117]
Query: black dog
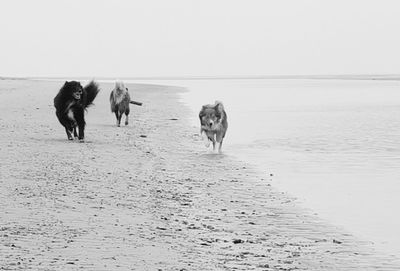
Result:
[71,102]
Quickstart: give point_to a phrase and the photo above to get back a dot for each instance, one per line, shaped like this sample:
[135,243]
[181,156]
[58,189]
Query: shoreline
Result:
[147,196]
[336,180]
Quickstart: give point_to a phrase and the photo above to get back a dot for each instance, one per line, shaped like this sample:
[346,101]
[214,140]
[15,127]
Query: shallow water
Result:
[333,144]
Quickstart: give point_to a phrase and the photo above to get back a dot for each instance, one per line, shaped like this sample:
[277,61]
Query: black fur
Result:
[71,102]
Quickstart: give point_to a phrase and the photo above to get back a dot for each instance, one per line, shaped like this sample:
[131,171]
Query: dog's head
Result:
[74,89]
[211,115]
[120,87]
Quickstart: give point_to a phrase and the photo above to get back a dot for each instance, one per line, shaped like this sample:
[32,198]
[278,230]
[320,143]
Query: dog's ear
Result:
[66,82]
[203,108]
[219,107]
[201,114]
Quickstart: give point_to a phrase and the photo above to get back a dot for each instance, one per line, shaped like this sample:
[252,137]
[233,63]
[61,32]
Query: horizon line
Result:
[226,77]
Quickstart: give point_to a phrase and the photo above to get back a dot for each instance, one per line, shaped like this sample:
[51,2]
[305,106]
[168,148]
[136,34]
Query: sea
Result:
[333,144]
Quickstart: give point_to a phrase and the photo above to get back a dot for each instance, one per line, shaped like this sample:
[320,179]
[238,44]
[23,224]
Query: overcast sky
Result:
[199,38]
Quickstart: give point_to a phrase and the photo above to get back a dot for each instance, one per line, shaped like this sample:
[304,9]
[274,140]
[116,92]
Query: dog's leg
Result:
[126,119]
[81,128]
[116,116]
[80,119]
[127,111]
[205,139]
[66,123]
[69,135]
[220,147]
[119,119]
[219,139]
[213,141]
[75,133]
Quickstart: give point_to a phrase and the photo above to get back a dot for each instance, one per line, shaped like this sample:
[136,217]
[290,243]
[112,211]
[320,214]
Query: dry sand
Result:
[147,196]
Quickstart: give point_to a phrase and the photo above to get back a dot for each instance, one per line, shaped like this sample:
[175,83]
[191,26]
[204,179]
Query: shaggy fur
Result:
[214,123]
[119,101]
[71,102]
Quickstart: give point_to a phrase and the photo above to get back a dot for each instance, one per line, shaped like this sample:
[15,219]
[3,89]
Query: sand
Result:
[147,196]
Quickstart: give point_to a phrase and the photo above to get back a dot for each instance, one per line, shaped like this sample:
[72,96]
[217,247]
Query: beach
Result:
[330,143]
[148,196]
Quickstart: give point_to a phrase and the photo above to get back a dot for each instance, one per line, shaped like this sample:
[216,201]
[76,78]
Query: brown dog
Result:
[119,101]
[214,123]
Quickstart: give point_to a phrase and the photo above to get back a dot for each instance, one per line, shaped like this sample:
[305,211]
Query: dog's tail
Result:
[136,103]
[92,89]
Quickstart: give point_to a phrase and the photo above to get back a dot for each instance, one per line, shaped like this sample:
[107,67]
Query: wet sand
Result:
[147,196]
